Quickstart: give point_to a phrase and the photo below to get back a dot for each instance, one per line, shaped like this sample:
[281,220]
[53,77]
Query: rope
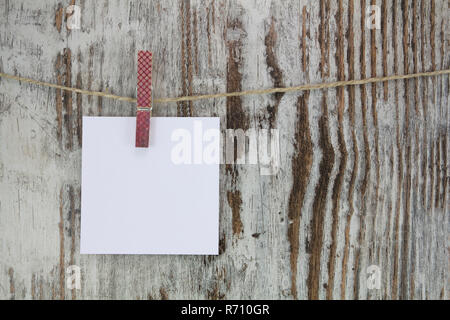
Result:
[234,94]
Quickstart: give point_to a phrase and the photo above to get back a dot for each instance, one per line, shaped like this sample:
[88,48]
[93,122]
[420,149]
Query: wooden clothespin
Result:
[144,98]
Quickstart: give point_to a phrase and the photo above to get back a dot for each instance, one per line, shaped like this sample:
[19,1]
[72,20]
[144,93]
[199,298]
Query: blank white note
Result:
[158,200]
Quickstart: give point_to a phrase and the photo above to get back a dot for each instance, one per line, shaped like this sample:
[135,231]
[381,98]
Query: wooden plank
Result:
[363,177]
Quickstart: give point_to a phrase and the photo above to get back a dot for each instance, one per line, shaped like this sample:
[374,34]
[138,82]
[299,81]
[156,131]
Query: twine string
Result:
[304,87]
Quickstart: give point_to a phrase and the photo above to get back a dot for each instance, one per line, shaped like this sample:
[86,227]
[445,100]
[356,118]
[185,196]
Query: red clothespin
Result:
[144,98]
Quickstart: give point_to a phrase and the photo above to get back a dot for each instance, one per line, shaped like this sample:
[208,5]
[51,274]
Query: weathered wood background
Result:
[364,170]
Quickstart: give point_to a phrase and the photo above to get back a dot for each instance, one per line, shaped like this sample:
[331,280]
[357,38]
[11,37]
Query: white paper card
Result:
[143,200]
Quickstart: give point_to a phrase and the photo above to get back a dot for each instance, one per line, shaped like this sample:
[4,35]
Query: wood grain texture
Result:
[363,177]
